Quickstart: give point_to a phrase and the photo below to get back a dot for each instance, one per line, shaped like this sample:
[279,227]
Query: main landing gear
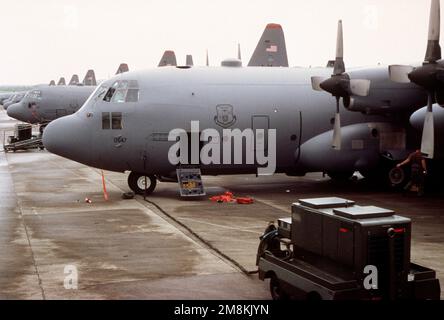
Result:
[141,183]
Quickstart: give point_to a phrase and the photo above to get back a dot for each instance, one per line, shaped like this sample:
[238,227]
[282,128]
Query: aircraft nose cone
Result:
[68,137]
[14,111]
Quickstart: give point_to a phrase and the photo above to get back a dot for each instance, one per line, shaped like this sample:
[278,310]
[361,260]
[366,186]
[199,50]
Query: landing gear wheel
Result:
[42,128]
[397,177]
[276,290]
[136,182]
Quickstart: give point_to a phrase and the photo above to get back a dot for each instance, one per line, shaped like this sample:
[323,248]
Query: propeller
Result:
[340,86]
[430,76]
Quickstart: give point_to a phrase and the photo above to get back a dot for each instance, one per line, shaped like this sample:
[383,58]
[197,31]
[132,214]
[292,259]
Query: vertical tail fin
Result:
[189,61]
[52,83]
[168,59]
[271,50]
[74,80]
[61,82]
[90,78]
[122,68]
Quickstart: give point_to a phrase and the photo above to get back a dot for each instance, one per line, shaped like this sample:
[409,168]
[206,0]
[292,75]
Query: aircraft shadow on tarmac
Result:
[293,188]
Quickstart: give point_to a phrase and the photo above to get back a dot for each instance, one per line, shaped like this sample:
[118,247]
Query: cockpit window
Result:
[34,94]
[119,96]
[100,92]
[123,91]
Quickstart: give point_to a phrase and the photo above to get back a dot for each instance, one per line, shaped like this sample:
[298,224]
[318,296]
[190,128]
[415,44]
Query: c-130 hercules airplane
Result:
[127,123]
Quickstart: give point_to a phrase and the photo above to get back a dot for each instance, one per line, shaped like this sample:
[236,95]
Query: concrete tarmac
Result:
[163,248]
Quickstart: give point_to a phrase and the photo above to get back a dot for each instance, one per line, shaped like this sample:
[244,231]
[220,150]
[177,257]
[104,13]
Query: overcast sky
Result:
[45,39]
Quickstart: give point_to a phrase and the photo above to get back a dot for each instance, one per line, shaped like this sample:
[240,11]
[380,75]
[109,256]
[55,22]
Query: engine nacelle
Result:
[361,149]
[373,105]
[385,96]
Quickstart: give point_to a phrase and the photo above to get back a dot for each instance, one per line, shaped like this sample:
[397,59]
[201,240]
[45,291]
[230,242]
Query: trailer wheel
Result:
[136,182]
[276,290]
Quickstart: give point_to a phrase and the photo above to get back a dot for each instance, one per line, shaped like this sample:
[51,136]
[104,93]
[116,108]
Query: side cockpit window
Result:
[123,91]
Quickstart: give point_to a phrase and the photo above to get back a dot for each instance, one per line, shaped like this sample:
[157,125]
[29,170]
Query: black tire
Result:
[388,176]
[276,289]
[136,183]
[398,177]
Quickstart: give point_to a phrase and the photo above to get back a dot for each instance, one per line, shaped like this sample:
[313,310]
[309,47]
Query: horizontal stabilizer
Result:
[168,59]
[74,80]
[271,50]
[90,78]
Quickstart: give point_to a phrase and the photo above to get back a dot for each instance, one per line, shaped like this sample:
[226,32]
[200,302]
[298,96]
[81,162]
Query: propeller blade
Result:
[339,66]
[428,132]
[336,143]
[428,141]
[207,60]
[433,48]
[316,83]
[399,73]
[360,87]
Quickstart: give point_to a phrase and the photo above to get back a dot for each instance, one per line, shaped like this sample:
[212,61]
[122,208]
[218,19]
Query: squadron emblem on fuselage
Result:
[225,117]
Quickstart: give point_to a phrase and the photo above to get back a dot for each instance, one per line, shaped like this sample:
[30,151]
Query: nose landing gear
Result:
[141,183]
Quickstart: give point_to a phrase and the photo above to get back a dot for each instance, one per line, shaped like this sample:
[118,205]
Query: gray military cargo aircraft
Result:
[14,99]
[45,103]
[5,96]
[127,124]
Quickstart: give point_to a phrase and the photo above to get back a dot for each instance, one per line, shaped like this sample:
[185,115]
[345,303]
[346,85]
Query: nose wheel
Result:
[141,183]
[42,128]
